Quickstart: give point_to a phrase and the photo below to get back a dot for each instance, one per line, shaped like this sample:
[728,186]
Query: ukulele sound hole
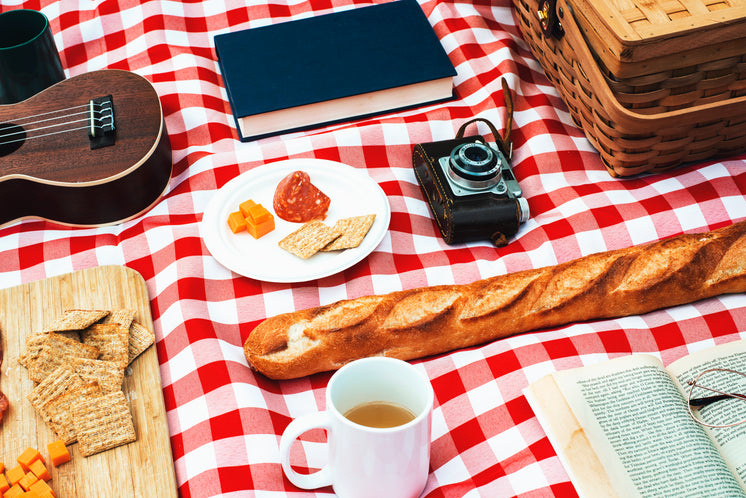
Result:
[12,138]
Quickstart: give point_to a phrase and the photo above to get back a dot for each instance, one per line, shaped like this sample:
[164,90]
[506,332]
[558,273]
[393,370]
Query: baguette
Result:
[425,321]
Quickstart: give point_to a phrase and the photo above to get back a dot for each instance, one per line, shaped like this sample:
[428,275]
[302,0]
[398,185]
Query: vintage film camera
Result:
[470,186]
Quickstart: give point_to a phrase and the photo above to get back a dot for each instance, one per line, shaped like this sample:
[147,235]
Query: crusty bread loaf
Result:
[430,320]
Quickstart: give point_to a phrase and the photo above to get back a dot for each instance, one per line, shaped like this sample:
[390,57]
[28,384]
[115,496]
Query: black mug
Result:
[29,61]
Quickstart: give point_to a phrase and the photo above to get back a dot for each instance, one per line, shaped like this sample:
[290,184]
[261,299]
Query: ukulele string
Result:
[7,142]
[97,120]
[22,132]
[99,123]
[86,107]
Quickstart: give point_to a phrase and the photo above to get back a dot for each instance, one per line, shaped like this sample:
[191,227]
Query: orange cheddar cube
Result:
[40,470]
[14,491]
[237,222]
[252,217]
[58,453]
[15,474]
[260,229]
[42,489]
[27,480]
[258,214]
[4,485]
[28,456]
[245,206]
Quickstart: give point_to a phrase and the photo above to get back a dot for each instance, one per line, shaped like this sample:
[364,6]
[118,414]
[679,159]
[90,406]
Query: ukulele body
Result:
[49,170]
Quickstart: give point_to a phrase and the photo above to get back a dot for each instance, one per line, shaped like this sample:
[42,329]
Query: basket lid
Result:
[636,30]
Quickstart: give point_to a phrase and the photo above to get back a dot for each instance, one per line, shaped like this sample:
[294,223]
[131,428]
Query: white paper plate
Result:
[352,193]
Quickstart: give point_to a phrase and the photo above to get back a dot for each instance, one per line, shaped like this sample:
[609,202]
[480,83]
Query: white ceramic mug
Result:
[365,461]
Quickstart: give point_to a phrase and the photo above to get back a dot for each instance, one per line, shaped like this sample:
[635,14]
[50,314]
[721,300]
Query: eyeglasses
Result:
[714,385]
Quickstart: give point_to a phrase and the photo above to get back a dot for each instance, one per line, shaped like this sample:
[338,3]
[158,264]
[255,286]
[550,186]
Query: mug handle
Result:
[318,420]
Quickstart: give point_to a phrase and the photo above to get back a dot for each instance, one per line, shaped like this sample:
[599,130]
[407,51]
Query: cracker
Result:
[123,317]
[140,339]
[60,410]
[309,239]
[111,339]
[103,422]
[34,344]
[56,350]
[75,320]
[55,385]
[353,229]
[108,374]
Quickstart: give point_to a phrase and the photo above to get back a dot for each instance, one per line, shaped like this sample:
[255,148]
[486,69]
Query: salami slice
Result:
[298,200]
[4,404]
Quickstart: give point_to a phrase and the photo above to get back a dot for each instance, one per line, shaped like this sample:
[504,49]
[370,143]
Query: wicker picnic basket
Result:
[653,83]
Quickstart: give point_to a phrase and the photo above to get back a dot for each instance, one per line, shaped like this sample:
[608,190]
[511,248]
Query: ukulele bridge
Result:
[101,129]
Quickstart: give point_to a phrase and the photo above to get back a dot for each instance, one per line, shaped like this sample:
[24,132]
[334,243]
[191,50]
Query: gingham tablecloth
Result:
[225,421]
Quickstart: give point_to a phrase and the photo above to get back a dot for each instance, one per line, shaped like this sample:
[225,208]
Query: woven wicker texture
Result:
[633,133]
[656,18]
[681,88]
[666,55]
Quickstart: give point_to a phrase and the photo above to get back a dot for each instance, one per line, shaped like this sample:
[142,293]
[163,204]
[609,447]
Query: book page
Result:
[569,439]
[635,417]
[731,440]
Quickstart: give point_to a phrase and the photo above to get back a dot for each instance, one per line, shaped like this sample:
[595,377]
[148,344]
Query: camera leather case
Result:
[481,216]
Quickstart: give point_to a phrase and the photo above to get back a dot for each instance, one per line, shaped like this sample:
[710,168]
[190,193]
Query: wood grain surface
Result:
[143,468]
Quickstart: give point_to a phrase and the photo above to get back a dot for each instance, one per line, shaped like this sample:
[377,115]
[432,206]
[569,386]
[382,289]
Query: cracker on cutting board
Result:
[53,386]
[103,422]
[111,340]
[60,410]
[76,319]
[141,338]
[309,239]
[108,374]
[34,344]
[123,317]
[353,230]
[56,350]
[76,371]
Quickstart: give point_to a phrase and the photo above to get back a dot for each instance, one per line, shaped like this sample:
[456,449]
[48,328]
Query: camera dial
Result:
[474,166]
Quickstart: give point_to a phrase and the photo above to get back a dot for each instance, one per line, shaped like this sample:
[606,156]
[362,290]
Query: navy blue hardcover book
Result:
[305,73]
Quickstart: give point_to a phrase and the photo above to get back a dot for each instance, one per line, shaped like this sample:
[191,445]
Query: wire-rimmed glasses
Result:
[715,385]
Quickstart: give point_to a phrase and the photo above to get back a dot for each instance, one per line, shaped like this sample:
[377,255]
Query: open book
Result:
[622,428]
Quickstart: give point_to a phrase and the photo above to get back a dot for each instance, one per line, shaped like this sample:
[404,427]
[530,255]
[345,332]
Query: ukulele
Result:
[91,150]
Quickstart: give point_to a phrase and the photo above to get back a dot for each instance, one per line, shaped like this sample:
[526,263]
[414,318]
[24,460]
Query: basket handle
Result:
[628,118]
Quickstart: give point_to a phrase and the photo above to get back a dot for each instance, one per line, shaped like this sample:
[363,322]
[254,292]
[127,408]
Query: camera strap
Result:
[503,141]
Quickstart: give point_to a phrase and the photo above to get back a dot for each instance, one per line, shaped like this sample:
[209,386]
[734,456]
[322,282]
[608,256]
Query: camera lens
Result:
[475,156]
[474,166]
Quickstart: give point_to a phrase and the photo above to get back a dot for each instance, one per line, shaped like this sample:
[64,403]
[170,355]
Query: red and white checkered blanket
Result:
[225,421]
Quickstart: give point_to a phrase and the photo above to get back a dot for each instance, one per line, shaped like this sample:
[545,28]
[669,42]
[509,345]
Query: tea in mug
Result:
[380,414]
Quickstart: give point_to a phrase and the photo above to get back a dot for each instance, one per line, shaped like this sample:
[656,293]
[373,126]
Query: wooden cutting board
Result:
[143,468]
